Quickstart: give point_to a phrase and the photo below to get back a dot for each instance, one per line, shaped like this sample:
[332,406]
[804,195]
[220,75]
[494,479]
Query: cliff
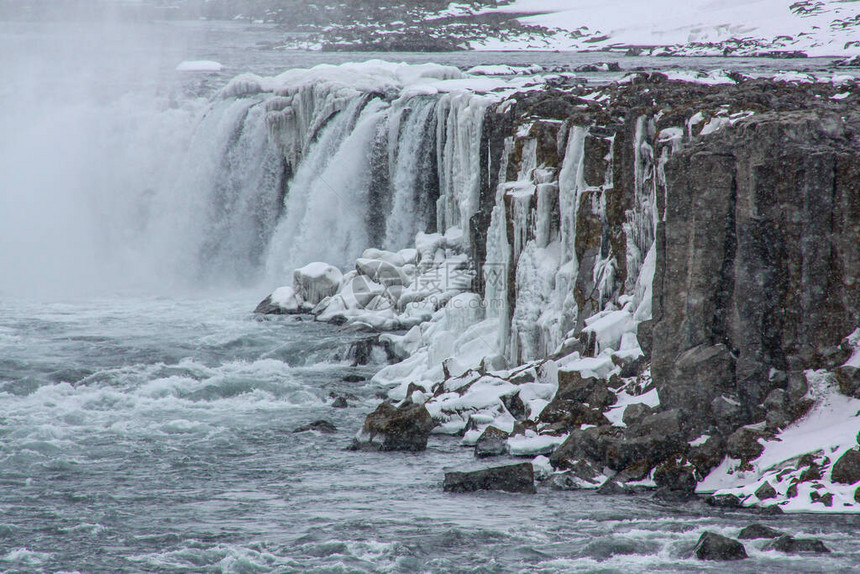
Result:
[654,277]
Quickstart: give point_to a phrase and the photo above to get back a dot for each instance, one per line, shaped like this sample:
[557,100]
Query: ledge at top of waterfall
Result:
[387,78]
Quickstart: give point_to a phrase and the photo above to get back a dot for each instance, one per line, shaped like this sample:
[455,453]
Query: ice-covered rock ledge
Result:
[636,284]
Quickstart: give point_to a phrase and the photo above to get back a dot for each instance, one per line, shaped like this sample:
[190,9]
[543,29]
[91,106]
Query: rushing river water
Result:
[154,433]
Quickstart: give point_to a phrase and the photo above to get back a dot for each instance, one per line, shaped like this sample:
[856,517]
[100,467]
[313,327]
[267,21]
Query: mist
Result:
[92,129]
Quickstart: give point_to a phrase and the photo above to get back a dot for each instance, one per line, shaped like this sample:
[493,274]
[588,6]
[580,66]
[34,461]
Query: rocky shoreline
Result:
[649,285]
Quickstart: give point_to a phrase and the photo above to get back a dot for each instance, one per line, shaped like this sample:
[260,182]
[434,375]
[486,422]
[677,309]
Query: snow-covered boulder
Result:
[316,281]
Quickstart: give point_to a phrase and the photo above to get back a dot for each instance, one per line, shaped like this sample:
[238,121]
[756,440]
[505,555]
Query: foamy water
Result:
[152,434]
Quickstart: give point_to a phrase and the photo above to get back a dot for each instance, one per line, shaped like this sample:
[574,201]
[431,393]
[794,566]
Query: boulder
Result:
[635,412]
[581,474]
[759,531]
[723,501]
[700,374]
[492,442]
[846,470]
[848,377]
[707,454]
[322,426]
[765,491]
[590,390]
[381,272]
[388,428]
[791,545]
[316,281]
[676,477]
[566,414]
[744,444]
[339,403]
[511,478]
[283,301]
[712,546]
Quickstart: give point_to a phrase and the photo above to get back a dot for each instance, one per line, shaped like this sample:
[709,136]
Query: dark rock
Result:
[579,472]
[339,403]
[775,401]
[515,406]
[712,546]
[825,499]
[566,414]
[744,445]
[634,413]
[700,374]
[612,487]
[353,378]
[511,478]
[388,428]
[723,501]
[765,491]
[319,426]
[758,531]
[727,413]
[667,423]
[791,545]
[811,473]
[797,386]
[707,455]
[266,307]
[847,468]
[772,510]
[757,245]
[791,492]
[492,442]
[848,378]
[857,495]
[592,391]
[676,477]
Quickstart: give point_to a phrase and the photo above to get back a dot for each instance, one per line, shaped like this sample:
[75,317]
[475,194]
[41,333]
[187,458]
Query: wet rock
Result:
[723,501]
[581,474]
[633,414]
[743,444]
[353,378]
[612,487]
[511,478]
[712,546]
[791,545]
[492,442]
[322,426]
[765,491]
[339,403]
[676,477]
[395,428]
[759,531]
[847,468]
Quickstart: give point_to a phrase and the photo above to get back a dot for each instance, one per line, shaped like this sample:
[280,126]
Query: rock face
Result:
[715,547]
[512,478]
[395,428]
[757,257]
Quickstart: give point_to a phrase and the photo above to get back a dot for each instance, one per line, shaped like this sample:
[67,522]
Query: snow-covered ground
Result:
[697,27]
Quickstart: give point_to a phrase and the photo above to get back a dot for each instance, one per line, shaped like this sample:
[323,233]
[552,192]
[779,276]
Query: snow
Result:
[757,25]
[532,444]
[199,66]
[829,429]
